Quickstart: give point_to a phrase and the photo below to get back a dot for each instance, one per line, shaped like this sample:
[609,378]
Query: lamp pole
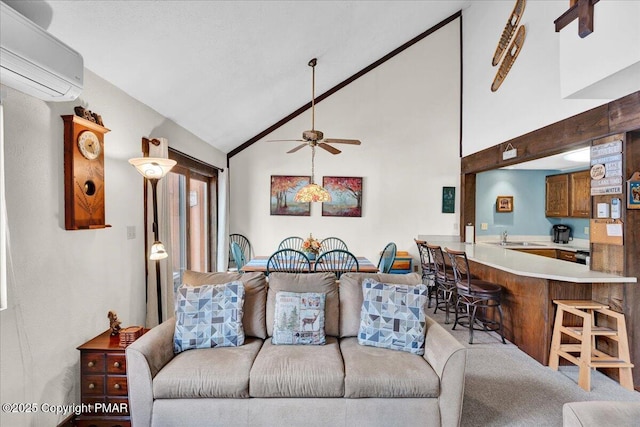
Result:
[154,196]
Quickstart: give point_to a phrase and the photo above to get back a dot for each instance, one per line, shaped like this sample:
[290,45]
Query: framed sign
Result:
[633,192]
[504,204]
[448,199]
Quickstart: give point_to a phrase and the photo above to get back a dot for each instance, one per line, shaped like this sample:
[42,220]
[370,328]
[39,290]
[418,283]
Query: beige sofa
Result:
[341,383]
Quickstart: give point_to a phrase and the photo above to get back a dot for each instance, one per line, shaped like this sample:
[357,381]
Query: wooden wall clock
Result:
[83,174]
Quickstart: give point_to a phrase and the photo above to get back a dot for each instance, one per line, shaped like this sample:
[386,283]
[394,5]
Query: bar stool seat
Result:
[479,298]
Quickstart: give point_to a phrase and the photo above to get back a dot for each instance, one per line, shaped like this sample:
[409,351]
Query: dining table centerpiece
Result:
[311,247]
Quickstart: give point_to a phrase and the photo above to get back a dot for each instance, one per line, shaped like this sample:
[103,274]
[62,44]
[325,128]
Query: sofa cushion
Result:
[212,372]
[351,296]
[209,316]
[299,318]
[255,290]
[298,371]
[306,282]
[393,316]
[378,372]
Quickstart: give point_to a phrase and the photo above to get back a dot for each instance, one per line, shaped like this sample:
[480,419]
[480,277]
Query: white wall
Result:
[406,113]
[63,283]
[530,97]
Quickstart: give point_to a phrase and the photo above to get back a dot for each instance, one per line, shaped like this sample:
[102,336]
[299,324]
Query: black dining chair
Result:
[289,261]
[477,296]
[387,257]
[331,243]
[293,242]
[337,261]
[427,267]
[445,281]
[245,247]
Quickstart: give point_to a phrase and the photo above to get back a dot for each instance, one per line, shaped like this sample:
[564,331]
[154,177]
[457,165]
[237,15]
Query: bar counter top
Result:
[523,264]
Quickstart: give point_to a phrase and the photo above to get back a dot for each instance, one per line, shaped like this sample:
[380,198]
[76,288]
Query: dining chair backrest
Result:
[428,269]
[289,261]
[292,242]
[331,243]
[244,244]
[238,255]
[460,267]
[387,257]
[437,258]
[337,261]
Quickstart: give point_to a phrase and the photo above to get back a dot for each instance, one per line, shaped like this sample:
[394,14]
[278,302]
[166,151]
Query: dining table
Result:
[259,263]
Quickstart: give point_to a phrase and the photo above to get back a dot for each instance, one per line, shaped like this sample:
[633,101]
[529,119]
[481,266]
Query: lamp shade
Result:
[158,251]
[153,167]
[312,193]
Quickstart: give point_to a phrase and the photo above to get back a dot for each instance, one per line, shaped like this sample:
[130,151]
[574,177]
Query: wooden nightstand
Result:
[103,383]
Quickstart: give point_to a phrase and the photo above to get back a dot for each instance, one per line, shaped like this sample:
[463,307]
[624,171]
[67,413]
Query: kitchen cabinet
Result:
[550,253]
[567,255]
[557,199]
[568,195]
[580,194]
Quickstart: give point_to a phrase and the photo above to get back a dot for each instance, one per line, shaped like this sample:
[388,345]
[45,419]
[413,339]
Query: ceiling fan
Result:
[314,138]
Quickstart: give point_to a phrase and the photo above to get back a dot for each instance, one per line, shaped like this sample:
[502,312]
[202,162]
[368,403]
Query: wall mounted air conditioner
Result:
[36,63]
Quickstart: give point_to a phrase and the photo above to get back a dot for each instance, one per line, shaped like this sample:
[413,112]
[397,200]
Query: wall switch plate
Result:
[484,226]
[131,232]
[586,231]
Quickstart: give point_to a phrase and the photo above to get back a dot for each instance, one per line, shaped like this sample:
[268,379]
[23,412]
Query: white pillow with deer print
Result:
[299,319]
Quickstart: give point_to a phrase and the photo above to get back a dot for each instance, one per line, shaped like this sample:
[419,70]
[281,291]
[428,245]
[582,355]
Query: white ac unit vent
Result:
[35,62]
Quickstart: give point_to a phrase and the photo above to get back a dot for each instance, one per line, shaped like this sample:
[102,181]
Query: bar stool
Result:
[587,334]
[475,294]
[444,279]
[428,268]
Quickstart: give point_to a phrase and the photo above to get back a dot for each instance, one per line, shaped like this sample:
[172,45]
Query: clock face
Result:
[89,145]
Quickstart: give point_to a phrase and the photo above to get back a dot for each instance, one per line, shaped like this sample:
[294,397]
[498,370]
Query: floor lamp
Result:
[153,169]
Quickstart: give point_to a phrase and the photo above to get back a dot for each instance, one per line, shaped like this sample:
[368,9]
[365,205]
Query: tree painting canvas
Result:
[346,196]
[283,192]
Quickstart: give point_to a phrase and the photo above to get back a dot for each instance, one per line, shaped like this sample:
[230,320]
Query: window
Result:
[193,194]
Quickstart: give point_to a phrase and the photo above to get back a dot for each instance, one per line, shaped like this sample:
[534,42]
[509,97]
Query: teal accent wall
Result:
[528,190]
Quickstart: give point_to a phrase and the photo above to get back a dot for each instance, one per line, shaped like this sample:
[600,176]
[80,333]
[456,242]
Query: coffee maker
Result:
[561,233]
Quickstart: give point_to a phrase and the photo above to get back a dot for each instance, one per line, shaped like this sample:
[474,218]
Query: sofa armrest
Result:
[145,357]
[448,358]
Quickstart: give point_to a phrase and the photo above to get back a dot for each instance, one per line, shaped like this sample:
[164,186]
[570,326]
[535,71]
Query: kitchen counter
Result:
[523,264]
[530,285]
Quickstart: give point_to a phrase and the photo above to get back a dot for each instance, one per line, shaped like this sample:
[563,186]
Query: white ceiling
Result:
[227,70]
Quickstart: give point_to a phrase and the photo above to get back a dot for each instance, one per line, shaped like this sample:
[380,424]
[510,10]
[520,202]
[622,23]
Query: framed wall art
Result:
[504,204]
[283,191]
[448,199]
[346,196]
[633,192]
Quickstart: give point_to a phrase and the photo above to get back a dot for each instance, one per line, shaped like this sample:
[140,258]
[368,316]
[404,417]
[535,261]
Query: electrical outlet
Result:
[131,232]
[455,225]
[586,231]
[484,226]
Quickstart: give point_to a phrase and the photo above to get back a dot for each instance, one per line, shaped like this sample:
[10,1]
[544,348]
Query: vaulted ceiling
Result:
[227,70]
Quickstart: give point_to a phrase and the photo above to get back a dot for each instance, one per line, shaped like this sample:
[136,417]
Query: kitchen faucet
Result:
[504,237]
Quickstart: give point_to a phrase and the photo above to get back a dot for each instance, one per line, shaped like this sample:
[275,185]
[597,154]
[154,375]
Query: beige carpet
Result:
[506,387]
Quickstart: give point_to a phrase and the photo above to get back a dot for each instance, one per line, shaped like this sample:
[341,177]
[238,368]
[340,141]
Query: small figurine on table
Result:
[114,323]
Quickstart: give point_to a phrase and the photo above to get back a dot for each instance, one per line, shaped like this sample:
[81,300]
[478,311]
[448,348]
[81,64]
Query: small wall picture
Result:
[448,199]
[283,191]
[633,192]
[346,196]
[504,204]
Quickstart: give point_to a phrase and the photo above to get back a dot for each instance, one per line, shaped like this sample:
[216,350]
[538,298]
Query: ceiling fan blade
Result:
[343,141]
[293,150]
[329,148]
[285,140]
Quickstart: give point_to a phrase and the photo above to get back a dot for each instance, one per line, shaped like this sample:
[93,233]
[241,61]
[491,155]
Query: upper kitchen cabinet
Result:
[569,195]
[557,200]
[580,194]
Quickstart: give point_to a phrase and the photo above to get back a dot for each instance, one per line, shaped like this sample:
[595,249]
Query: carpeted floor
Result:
[506,387]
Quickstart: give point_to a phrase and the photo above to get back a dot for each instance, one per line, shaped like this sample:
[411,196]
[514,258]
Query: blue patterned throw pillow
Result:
[299,318]
[209,316]
[393,316]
